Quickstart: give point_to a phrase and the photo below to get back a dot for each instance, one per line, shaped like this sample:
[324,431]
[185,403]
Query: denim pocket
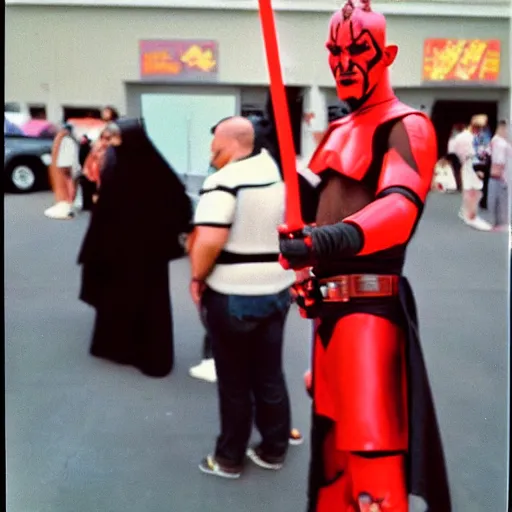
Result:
[256,307]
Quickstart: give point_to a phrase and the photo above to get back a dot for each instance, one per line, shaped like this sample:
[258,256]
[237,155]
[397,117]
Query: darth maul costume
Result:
[375,439]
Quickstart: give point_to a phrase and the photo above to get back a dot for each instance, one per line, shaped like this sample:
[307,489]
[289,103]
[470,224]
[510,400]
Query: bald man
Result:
[243,294]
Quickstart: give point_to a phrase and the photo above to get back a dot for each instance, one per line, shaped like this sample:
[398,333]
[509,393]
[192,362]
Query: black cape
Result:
[133,233]
[428,478]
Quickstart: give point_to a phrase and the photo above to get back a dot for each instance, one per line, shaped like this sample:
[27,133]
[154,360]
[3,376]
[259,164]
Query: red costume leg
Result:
[366,379]
[382,479]
[336,495]
[360,383]
[330,491]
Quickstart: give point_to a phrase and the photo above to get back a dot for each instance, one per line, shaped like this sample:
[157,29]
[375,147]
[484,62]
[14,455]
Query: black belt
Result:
[232,258]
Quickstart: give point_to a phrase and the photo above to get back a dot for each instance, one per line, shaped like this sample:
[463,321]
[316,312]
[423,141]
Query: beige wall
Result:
[83,56]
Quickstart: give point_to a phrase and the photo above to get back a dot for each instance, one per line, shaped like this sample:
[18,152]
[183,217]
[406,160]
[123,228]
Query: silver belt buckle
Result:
[369,283]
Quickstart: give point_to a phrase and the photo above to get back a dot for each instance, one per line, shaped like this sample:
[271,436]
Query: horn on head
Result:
[351,5]
[348,9]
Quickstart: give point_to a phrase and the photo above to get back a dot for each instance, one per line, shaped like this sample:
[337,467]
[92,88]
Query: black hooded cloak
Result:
[133,234]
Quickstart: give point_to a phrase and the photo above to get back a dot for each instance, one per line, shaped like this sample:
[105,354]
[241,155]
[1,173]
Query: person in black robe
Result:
[134,233]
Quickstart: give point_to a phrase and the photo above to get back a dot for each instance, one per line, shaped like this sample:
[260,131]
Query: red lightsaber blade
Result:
[293,216]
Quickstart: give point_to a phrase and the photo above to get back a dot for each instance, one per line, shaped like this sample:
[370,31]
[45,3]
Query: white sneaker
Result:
[60,211]
[49,211]
[479,224]
[204,371]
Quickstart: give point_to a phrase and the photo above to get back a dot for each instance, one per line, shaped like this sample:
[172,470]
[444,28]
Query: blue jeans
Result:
[247,342]
[497,202]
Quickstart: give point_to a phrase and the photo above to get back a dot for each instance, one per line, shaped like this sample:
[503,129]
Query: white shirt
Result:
[68,155]
[463,146]
[501,154]
[248,198]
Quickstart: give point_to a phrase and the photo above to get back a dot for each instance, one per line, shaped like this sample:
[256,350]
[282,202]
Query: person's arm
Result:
[208,244]
[212,223]
[87,169]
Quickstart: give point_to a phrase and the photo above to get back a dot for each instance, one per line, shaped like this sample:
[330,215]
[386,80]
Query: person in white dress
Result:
[472,182]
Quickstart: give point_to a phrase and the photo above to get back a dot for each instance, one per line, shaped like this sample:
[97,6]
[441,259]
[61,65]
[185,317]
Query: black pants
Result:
[207,347]
[207,340]
[486,170]
[88,190]
[248,360]
[456,166]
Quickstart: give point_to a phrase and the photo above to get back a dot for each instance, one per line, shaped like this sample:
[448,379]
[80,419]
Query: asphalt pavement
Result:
[83,435]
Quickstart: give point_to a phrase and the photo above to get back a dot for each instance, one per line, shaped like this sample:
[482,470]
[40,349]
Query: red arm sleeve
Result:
[402,188]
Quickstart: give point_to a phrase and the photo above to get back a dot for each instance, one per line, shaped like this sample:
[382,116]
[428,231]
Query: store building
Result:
[185,64]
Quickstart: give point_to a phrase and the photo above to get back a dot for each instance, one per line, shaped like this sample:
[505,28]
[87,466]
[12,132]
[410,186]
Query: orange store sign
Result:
[178,60]
[461,60]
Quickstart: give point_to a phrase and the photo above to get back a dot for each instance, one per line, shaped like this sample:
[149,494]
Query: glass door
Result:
[179,126]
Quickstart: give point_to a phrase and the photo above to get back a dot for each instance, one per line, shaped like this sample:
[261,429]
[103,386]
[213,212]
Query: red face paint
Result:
[356,44]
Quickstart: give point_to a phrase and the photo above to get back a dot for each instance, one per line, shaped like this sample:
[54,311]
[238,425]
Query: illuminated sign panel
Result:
[178,60]
[461,60]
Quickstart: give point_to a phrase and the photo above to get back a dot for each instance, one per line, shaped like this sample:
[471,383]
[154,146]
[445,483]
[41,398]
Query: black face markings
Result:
[334,49]
[359,44]
[378,50]
[352,35]
[356,49]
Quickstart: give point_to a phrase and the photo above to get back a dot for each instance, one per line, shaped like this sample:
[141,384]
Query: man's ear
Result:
[390,53]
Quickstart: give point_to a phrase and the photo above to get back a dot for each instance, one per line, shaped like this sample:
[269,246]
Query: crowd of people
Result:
[75,168]
[480,167]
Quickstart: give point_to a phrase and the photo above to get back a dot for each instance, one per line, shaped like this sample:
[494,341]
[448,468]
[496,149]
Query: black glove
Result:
[313,245]
[296,248]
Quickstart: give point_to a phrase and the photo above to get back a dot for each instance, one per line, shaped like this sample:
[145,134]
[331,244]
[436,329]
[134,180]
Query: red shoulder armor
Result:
[417,175]
[402,188]
[347,145]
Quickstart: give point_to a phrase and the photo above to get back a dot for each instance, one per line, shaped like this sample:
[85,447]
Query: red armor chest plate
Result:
[347,144]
